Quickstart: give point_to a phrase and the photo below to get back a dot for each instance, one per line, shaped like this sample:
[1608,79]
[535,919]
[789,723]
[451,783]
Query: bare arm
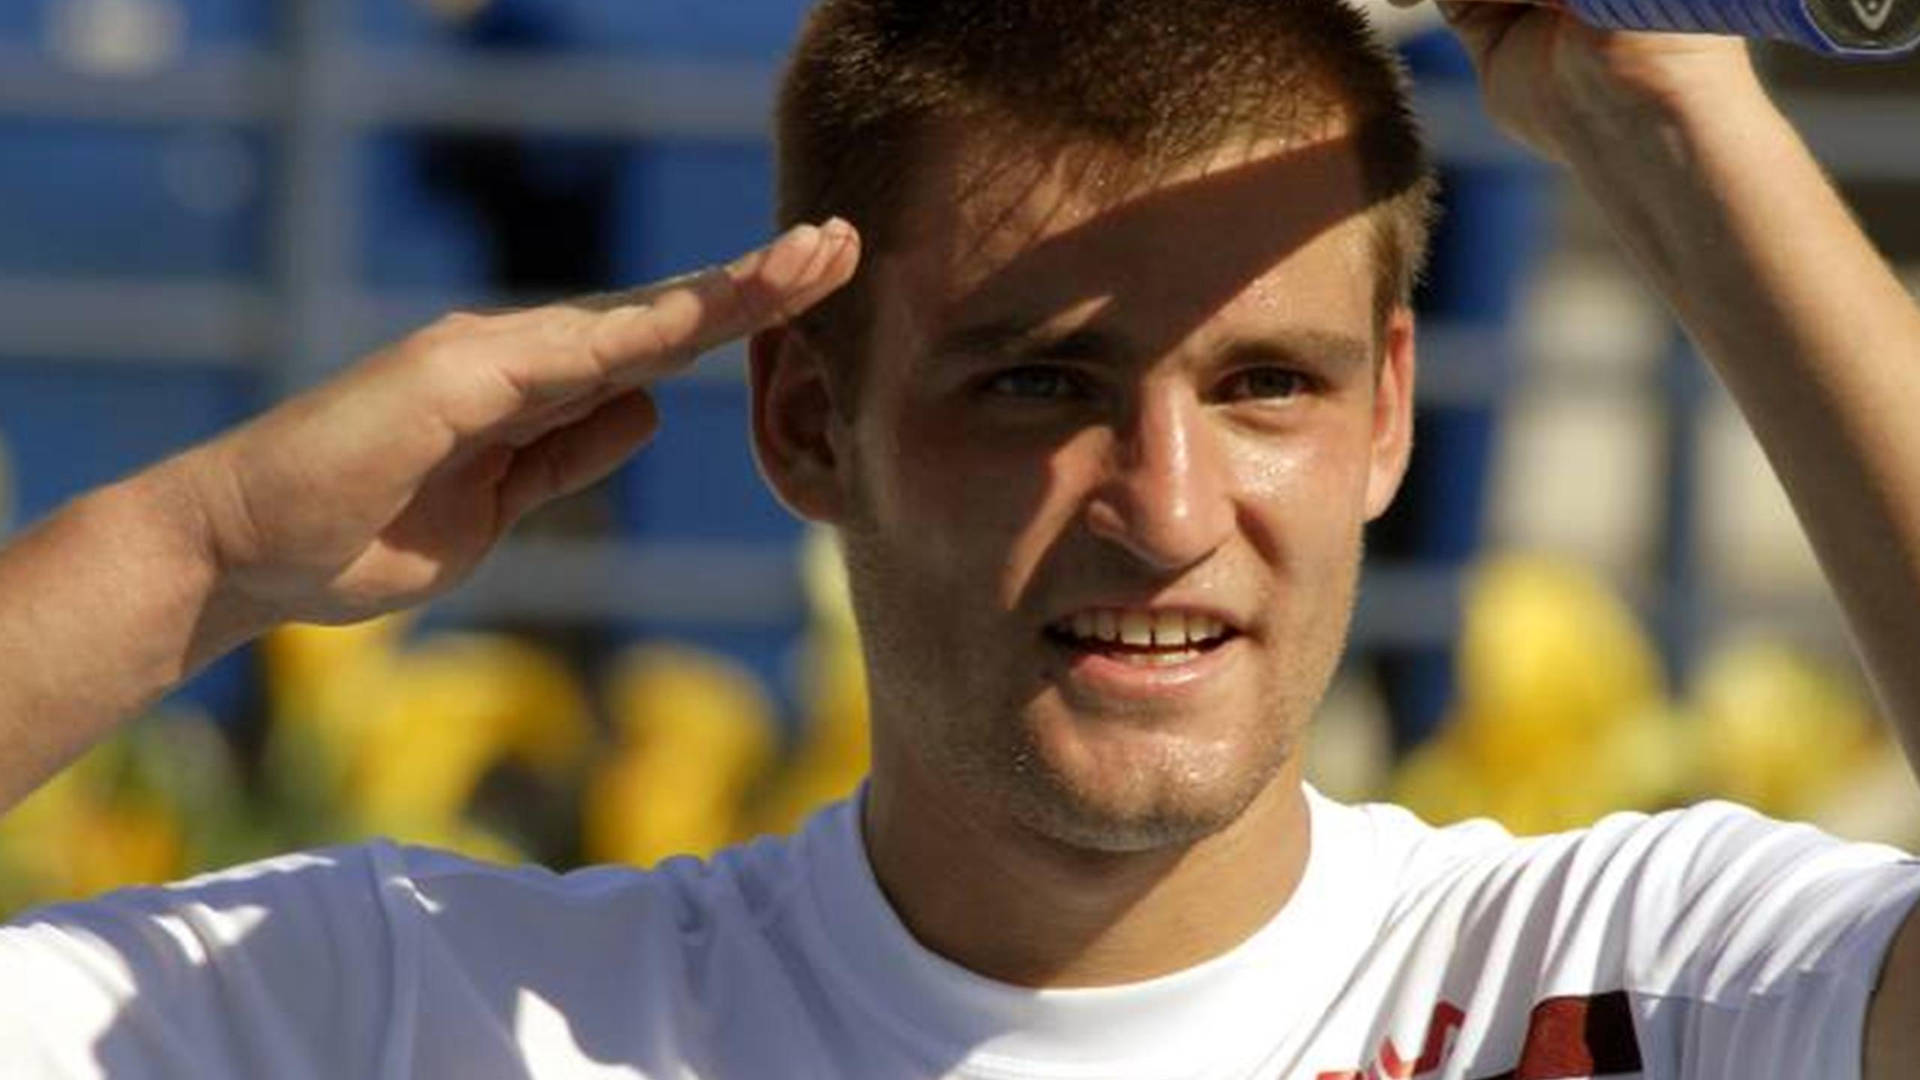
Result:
[1729,216]
[376,491]
[103,607]
[1820,345]
[1817,340]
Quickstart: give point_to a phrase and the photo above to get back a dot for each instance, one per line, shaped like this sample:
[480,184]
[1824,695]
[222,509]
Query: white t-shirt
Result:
[1702,943]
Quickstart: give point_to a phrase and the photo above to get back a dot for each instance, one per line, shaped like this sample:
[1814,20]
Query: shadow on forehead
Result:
[1205,238]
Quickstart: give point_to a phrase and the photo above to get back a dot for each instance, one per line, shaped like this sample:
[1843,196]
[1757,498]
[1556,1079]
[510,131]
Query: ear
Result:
[1392,414]
[793,425]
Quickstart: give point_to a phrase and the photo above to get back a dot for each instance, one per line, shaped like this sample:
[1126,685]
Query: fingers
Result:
[665,327]
[518,376]
[575,457]
[770,263]
[625,339]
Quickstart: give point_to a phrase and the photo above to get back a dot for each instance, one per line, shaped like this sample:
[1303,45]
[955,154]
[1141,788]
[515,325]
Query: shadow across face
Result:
[1024,236]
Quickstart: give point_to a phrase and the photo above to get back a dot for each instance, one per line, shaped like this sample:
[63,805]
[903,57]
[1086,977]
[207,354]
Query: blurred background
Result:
[1591,596]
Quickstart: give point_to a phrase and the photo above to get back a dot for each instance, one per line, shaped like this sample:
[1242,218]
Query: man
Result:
[1126,367]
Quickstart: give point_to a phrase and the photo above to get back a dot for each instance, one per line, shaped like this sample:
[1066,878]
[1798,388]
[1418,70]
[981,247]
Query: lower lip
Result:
[1108,676]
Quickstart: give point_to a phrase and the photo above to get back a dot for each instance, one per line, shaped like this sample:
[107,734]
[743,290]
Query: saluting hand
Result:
[389,484]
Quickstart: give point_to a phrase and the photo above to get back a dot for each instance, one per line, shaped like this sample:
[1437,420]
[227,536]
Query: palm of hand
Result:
[432,543]
[418,517]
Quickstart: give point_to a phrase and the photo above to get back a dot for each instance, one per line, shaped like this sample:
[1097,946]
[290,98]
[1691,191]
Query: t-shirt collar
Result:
[1167,1026]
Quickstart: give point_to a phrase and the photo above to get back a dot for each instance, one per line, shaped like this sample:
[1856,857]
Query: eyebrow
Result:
[1001,338]
[1024,335]
[1339,353]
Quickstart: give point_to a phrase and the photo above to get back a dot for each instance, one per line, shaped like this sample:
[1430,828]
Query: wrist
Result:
[169,513]
[1655,107]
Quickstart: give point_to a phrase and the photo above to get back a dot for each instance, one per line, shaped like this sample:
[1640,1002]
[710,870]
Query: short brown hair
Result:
[1160,80]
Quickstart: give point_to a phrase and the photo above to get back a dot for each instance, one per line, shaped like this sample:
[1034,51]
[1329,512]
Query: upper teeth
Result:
[1161,629]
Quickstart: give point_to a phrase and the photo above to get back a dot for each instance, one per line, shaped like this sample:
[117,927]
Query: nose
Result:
[1165,494]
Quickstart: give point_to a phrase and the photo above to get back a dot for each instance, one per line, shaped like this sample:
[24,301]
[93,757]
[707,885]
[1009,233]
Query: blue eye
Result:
[1036,382]
[1264,382]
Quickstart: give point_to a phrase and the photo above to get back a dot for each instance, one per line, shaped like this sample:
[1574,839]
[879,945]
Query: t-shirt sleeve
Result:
[288,968]
[1739,946]
[1764,942]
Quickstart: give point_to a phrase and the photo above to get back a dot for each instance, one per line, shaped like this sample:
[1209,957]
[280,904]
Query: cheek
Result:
[952,499]
[1302,501]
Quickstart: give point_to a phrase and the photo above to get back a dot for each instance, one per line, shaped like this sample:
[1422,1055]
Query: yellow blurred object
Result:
[1877,803]
[1651,757]
[453,707]
[696,732]
[1778,730]
[324,684]
[313,670]
[1560,716]
[1437,782]
[116,817]
[110,847]
[462,837]
[833,754]
[1549,657]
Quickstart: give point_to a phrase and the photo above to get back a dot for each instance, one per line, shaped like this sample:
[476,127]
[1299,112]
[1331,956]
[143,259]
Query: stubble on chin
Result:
[943,710]
[1139,800]
[994,763]
[1169,800]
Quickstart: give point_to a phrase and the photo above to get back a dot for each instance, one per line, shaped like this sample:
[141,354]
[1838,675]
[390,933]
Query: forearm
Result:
[1811,332]
[104,607]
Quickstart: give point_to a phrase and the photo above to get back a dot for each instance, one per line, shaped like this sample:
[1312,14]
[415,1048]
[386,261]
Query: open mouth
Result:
[1163,638]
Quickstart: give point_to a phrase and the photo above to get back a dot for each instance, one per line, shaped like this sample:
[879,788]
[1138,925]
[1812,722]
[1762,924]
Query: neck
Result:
[1015,906]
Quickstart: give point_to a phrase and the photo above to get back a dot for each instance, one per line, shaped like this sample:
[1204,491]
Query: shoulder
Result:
[338,956]
[228,905]
[1706,846]
[293,952]
[685,895]
[1709,900]
[342,914]
[1712,926]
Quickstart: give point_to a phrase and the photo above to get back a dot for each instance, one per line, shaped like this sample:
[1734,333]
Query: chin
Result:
[1148,799]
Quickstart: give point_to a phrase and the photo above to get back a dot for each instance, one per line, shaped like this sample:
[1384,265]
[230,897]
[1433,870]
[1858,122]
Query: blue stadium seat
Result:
[683,205]
[737,29]
[123,201]
[671,206]
[413,236]
[216,23]
[687,203]
[1494,222]
[449,211]
[74,426]
[22,23]
[697,481]
[707,29]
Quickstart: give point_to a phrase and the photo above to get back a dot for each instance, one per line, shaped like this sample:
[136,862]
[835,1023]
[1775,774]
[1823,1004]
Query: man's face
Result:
[1108,472]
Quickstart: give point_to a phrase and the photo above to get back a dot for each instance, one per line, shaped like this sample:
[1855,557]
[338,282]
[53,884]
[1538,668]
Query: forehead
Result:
[1258,232]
